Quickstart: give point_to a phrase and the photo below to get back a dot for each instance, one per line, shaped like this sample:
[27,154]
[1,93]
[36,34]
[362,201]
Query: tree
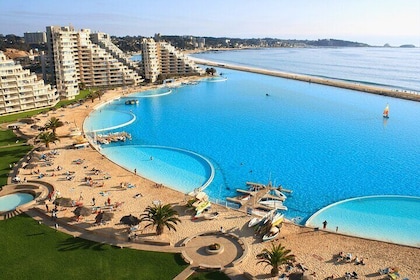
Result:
[99,93]
[47,138]
[276,256]
[160,216]
[210,71]
[53,124]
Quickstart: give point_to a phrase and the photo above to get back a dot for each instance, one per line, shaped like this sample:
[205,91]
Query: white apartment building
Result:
[20,90]
[76,57]
[161,58]
[62,60]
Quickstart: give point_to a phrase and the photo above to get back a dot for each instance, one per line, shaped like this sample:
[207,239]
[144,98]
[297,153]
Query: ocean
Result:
[397,68]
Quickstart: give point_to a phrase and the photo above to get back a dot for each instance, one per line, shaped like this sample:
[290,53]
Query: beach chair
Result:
[393,275]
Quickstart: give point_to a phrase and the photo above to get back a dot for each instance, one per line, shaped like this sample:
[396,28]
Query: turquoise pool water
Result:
[387,218]
[326,144]
[181,169]
[11,201]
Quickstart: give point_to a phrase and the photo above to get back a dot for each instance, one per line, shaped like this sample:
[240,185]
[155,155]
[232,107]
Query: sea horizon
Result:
[394,68]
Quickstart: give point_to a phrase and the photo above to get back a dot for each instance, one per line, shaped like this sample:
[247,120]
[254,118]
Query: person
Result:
[54,214]
[356,261]
[222,230]
[93,201]
[109,201]
[46,206]
[135,171]
[324,224]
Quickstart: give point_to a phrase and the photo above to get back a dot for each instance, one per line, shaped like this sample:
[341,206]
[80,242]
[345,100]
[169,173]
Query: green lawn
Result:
[214,275]
[30,250]
[10,153]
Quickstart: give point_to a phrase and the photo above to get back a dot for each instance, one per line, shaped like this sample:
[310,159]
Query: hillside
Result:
[15,53]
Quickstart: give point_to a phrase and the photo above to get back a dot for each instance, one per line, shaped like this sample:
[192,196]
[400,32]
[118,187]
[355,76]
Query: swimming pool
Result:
[11,201]
[386,218]
[326,144]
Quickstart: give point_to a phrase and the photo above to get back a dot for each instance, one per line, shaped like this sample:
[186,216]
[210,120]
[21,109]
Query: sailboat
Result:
[386,112]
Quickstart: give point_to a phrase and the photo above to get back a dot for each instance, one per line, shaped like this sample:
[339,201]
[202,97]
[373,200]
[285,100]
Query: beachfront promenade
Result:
[316,249]
[317,80]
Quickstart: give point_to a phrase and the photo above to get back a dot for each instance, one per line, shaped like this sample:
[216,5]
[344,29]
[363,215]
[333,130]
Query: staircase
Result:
[10,214]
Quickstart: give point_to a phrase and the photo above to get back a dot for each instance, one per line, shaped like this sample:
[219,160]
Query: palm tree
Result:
[53,124]
[47,138]
[275,257]
[160,216]
[210,71]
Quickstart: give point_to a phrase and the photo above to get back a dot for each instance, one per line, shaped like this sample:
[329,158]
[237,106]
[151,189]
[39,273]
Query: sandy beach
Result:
[316,249]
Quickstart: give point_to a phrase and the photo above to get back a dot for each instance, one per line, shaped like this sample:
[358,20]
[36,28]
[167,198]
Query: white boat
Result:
[277,218]
[201,207]
[254,221]
[272,202]
[277,193]
[274,231]
[386,112]
[211,216]
[257,220]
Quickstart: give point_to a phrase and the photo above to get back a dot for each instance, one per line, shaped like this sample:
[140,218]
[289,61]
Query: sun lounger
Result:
[393,275]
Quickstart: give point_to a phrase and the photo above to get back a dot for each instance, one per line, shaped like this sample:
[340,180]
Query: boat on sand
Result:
[211,216]
[273,233]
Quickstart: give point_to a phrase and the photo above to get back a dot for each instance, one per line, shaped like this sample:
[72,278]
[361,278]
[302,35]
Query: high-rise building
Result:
[35,37]
[162,59]
[80,57]
[20,90]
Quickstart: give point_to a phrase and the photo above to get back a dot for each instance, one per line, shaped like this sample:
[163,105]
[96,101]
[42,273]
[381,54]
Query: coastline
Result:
[317,80]
[316,249]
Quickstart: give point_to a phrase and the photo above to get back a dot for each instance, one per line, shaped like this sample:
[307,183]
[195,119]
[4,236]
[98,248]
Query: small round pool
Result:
[11,201]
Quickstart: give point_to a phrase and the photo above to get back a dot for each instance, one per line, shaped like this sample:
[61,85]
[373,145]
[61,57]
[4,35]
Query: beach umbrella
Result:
[31,166]
[34,159]
[27,120]
[35,126]
[104,217]
[130,220]
[82,211]
[107,216]
[295,276]
[99,217]
[63,201]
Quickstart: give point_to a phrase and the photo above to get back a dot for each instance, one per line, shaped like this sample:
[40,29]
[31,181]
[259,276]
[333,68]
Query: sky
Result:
[375,22]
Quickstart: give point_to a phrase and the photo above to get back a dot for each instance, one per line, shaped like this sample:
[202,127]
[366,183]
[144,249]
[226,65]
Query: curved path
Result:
[193,249]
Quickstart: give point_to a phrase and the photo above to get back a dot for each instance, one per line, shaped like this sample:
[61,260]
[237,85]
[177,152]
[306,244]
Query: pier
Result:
[318,80]
[248,199]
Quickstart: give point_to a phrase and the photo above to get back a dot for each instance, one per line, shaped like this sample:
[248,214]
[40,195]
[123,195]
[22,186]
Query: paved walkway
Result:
[193,250]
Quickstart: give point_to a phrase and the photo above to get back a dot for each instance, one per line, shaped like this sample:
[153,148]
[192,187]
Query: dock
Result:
[246,192]
[261,190]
